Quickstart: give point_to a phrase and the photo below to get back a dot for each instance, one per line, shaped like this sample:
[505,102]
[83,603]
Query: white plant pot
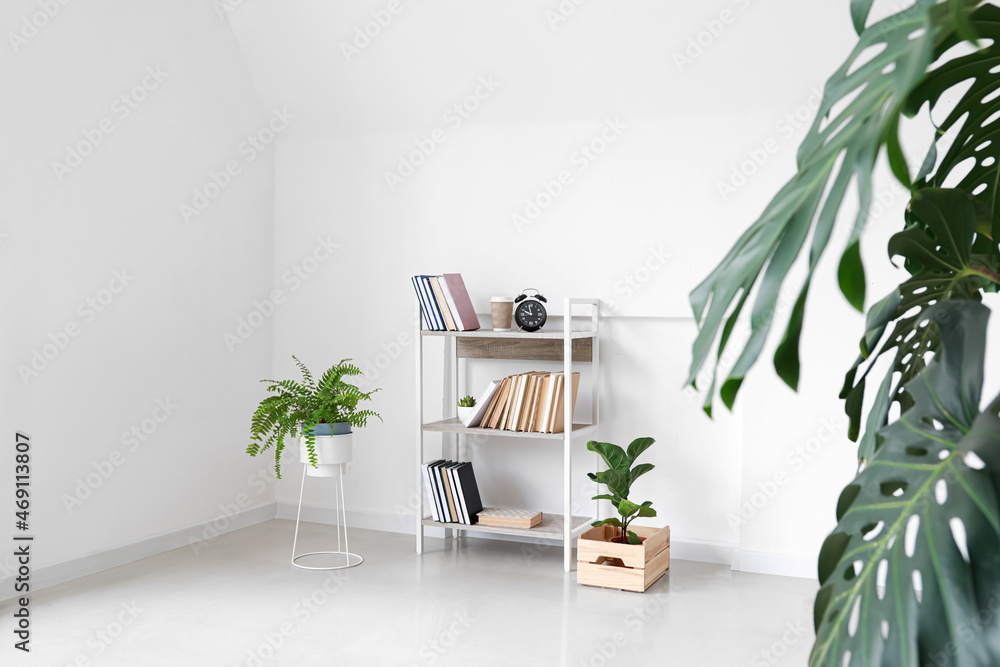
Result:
[465,414]
[332,452]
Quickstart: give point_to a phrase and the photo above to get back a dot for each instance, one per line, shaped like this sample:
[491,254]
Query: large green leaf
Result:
[637,447]
[938,248]
[859,113]
[975,118]
[915,559]
[613,455]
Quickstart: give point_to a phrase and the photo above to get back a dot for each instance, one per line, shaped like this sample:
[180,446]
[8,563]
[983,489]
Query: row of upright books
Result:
[453,491]
[444,303]
[532,402]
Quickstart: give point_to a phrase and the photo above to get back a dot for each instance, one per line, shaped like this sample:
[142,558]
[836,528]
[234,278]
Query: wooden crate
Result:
[627,567]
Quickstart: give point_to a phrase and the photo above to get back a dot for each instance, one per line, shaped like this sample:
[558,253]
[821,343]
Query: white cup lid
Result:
[503,299]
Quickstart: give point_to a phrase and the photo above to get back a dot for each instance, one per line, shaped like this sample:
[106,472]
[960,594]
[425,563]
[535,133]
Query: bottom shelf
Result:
[551,527]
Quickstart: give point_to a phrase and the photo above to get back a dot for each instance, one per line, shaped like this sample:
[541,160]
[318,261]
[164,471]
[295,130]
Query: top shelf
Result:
[490,333]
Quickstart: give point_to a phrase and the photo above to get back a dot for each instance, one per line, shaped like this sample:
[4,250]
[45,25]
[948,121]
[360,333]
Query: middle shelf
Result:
[455,425]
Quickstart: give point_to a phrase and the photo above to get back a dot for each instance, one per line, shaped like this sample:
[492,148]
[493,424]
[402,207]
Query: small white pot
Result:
[465,414]
[332,452]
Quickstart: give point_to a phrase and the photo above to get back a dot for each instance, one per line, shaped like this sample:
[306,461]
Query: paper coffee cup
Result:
[502,310]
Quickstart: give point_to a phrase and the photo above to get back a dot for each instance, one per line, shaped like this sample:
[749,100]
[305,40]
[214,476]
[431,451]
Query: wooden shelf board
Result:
[551,527]
[490,333]
[454,425]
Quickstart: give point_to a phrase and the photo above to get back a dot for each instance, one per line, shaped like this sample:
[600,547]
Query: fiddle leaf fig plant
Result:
[295,408]
[619,478]
[911,573]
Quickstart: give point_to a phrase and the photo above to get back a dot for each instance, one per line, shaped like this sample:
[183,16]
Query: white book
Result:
[483,404]
[516,406]
[431,494]
[547,414]
[456,494]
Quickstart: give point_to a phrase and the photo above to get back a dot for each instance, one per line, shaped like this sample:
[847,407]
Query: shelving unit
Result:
[567,345]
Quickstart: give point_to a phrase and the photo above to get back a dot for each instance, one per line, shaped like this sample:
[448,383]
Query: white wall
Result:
[160,337]
[687,126]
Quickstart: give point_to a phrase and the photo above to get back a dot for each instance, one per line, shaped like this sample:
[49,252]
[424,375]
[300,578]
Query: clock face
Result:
[530,315]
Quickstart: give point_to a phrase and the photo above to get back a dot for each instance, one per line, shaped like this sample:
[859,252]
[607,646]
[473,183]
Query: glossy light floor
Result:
[469,602]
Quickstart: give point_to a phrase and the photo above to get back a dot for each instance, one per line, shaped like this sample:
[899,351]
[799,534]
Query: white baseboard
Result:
[760,562]
[57,573]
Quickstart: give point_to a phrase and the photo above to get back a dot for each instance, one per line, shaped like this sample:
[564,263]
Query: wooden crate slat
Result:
[642,564]
[530,349]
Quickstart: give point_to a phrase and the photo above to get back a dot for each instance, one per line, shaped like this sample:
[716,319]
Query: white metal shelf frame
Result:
[568,525]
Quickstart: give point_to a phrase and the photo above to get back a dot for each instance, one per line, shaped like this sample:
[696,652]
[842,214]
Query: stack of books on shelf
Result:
[445,303]
[453,491]
[530,402]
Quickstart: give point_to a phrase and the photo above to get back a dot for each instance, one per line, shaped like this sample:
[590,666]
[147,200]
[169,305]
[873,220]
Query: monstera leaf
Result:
[859,113]
[914,563]
[938,248]
[975,119]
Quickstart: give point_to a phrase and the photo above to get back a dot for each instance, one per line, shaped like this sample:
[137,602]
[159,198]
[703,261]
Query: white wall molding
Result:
[760,562]
[58,573]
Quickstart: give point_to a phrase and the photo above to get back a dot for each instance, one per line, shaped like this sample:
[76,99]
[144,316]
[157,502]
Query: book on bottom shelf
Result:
[452,490]
[508,518]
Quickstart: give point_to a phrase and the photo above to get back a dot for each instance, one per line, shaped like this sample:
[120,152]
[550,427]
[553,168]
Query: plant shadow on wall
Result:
[307,409]
[911,574]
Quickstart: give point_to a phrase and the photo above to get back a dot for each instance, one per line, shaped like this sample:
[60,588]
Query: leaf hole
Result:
[885,629]
[917,34]
[978,190]
[983,145]
[941,489]
[852,624]
[943,454]
[991,119]
[910,536]
[893,489]
[872,530]
[881,576]
[992,96]
[989,162]
[973,461]
[961,538]
[918,585]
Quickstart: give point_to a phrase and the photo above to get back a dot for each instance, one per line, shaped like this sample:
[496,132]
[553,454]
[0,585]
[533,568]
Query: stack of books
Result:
[445,303]
[530,402]
[453,491]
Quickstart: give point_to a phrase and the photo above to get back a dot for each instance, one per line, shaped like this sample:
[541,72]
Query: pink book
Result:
[464,311]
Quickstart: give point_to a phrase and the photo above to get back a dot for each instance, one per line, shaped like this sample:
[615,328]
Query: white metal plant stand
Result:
[352,560]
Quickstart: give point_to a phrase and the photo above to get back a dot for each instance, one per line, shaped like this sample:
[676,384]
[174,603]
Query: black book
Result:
[471,502]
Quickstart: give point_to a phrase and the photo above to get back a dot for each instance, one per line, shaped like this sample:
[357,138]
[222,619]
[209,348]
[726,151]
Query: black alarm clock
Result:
[529,313]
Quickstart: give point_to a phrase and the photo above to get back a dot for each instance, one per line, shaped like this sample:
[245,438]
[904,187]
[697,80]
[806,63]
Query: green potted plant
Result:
[615,554]
[619,478]
[320,413]
[466,408]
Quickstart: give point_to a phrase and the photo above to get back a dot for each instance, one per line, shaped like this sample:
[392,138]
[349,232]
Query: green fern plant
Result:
[296,408]
[467,402]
